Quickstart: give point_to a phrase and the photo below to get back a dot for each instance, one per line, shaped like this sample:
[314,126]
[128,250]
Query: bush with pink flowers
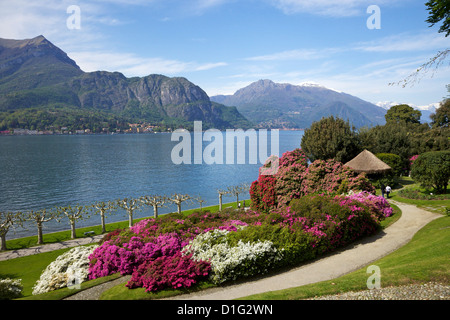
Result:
[295,178]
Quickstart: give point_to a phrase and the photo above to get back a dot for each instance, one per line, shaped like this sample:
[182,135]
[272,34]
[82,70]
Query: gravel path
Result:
[94,293]
[427,291]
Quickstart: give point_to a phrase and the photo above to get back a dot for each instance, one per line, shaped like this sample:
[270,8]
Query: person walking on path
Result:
[388,190]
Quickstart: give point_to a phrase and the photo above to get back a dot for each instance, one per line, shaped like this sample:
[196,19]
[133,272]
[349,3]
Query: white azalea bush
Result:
[69,269]
[10,288]
[232,262]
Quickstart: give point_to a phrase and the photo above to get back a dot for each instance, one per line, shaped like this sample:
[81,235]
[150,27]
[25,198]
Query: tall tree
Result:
[74,214]
[330,138]
[156,201]
[178,199]
[403,113]
[130,205]
[237,190]
[221,194]
[39,217]
[7,220]
[440,119]
[102,208]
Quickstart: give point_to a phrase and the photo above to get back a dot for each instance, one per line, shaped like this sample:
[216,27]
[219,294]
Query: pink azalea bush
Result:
[295,178]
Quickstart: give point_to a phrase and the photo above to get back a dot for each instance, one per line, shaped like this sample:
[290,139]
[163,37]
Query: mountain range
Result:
[41,87]
[36,77]
[271,104]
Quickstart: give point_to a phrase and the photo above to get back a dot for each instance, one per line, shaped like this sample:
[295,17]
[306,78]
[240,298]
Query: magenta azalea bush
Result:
[295,179]
[297,214]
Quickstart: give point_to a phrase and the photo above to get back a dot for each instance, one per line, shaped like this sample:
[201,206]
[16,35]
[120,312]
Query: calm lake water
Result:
[39,172]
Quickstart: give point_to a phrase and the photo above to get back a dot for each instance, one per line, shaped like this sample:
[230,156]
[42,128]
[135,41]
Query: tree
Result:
[403,113]
[330,138]
[221,194]
[440,119]
[155,201]
[73,214]
[130,205]
[394,161]
[7,220]
[178,199]
[103,207]
[391,138]
[200,201]
[39,217]
[439,10]
[432,169]
[237,190]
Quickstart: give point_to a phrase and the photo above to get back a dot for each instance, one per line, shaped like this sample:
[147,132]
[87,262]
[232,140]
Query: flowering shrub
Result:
[230,262]
[68,267]
[10,288]
[111,258]
[175,251]
[263,193]
[172,271]
[332,177]
[378,206]
[296,179]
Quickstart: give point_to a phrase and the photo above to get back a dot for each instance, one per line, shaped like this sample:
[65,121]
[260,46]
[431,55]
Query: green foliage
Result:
[440,119]
[432,169]
[392,160]
[403,113]
[330,138]
[439,10]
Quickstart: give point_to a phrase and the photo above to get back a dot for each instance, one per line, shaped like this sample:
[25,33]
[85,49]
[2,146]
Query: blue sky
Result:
[224,45]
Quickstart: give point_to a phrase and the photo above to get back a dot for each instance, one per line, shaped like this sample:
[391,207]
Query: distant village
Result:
[133,128]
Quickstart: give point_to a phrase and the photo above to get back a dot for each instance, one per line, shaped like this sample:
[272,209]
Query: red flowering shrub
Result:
[270,191]
[295,179]
[332,177]
[169,271]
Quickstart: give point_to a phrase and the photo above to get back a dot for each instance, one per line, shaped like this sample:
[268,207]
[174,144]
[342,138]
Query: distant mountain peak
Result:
[285,105]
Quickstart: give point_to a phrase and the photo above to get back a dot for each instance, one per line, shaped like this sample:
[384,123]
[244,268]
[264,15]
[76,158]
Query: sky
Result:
[355,46]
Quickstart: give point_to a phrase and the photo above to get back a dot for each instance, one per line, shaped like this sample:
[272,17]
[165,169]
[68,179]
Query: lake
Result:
[38,172]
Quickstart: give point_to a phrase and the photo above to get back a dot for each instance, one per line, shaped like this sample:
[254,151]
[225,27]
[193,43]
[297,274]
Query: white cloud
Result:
[132,65]
[406,42]
[299,54]
[334,8]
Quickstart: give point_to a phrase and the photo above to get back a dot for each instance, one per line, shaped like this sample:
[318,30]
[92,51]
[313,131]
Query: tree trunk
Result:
[155,211]
[72,227]
[3,241]
[179,208]
[102,214]
[130,218]
[40,239]
[220,201]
